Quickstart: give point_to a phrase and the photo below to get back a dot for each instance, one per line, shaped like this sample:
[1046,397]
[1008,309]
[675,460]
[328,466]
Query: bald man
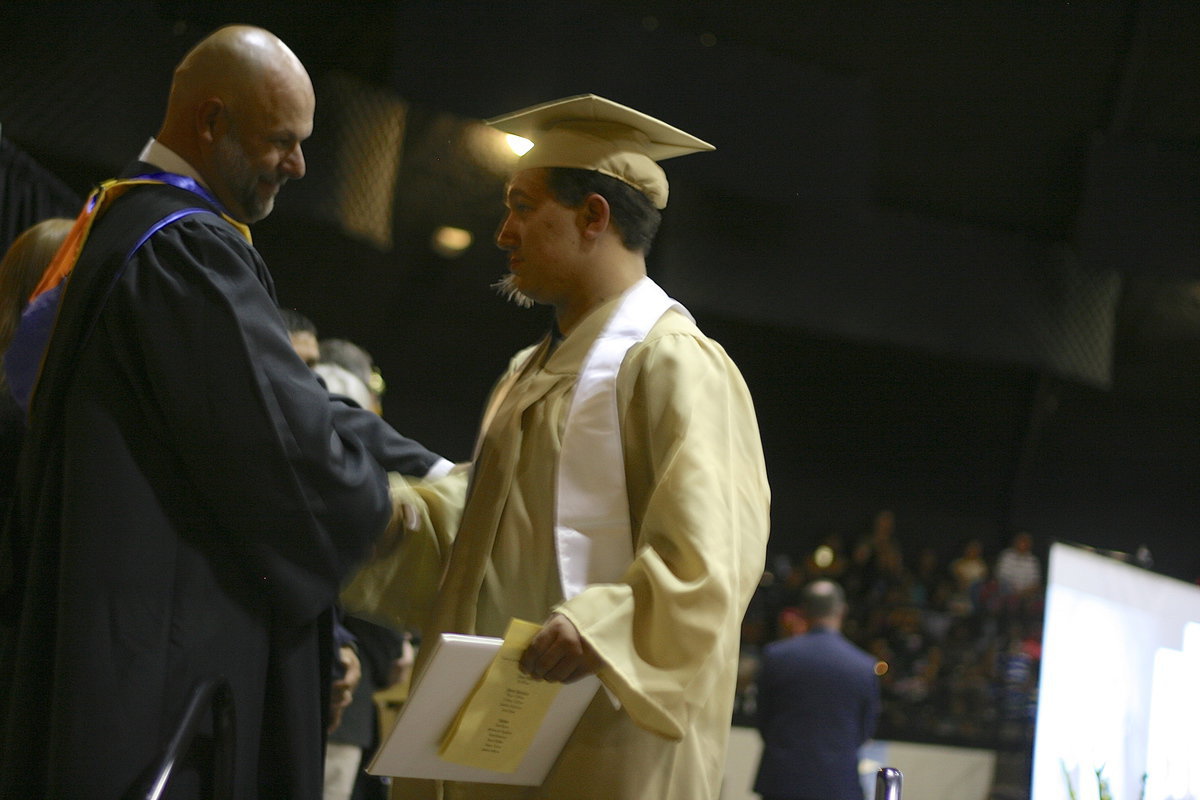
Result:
[191,496]
[818,703]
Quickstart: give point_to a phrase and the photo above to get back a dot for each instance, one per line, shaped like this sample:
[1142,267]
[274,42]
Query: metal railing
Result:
[212,695]
[888,783]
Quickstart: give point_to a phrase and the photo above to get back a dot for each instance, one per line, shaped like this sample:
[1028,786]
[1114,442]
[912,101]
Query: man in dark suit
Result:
[818,702]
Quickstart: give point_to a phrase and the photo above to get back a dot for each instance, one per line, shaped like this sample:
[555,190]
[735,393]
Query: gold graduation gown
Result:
[668,631]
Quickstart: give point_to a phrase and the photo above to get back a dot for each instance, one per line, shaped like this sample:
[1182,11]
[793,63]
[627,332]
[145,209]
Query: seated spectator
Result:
[925,579]
[1019,577]
[876,564]
[1018,570]
[970,568]
[969,572]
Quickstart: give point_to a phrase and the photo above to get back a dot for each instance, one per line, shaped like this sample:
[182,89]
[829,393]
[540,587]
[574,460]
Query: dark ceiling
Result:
[952,244]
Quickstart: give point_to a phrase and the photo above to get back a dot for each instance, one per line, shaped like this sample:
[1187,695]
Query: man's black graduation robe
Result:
[189,500]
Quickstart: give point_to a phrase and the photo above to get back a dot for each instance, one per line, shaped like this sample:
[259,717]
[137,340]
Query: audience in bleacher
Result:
[960,635]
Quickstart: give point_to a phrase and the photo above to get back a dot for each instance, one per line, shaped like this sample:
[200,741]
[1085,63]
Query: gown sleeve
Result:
[399,584]
[699,507]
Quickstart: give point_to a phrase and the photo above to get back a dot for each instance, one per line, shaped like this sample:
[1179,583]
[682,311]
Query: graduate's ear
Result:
[594,215]
[211,120]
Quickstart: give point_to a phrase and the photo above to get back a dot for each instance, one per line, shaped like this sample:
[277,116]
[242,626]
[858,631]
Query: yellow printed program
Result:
[497,723]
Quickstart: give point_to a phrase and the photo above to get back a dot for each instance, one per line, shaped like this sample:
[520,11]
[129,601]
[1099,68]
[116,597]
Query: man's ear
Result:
[211,121]
[595,215]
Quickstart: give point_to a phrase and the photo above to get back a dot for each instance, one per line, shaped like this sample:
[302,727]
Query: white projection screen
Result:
[1120,682]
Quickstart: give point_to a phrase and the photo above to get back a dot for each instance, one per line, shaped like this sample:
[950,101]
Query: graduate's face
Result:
[542,238]
[260,149]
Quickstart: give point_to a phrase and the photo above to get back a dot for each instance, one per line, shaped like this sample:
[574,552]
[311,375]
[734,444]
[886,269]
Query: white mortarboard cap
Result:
[590,132]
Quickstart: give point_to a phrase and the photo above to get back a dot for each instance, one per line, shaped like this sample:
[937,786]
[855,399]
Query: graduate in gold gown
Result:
[618,493]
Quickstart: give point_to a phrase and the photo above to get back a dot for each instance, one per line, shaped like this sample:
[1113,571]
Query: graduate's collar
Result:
[554,338]
[565,351]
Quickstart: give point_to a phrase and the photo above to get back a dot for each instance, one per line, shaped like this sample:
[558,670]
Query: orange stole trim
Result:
[68,252]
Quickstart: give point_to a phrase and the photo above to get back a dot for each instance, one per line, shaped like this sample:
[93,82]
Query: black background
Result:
[953,246]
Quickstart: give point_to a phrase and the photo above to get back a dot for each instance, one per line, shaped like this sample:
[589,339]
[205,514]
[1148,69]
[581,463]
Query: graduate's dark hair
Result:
[634,216]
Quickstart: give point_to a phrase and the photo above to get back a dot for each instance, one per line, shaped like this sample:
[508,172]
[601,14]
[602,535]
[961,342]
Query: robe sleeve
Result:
[390,449]
[286,473]
[399,584]
[699,506]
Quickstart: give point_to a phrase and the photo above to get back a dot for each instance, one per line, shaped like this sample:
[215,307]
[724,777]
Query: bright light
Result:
[1117,689]
[519,144]
[823,556]
[450,242]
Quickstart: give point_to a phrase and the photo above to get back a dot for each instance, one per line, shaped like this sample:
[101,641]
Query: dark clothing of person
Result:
[12,433]
[188,502]
[818,702]
[378,647]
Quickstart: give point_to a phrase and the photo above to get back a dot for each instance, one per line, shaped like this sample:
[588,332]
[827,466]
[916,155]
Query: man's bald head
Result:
[240,105]
[823,603]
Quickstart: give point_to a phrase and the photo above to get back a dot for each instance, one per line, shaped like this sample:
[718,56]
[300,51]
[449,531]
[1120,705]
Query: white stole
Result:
[592,533]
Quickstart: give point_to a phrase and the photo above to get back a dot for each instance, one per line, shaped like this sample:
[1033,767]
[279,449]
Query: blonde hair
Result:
[22,268]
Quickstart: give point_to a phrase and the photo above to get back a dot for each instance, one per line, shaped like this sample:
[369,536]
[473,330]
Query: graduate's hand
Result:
[401,667]
[405,519]
[557,653]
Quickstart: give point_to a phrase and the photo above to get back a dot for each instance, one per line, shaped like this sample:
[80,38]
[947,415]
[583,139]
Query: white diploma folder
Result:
[446,682]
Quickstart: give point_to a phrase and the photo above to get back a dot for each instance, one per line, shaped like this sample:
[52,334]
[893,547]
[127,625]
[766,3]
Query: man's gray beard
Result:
[507,287]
